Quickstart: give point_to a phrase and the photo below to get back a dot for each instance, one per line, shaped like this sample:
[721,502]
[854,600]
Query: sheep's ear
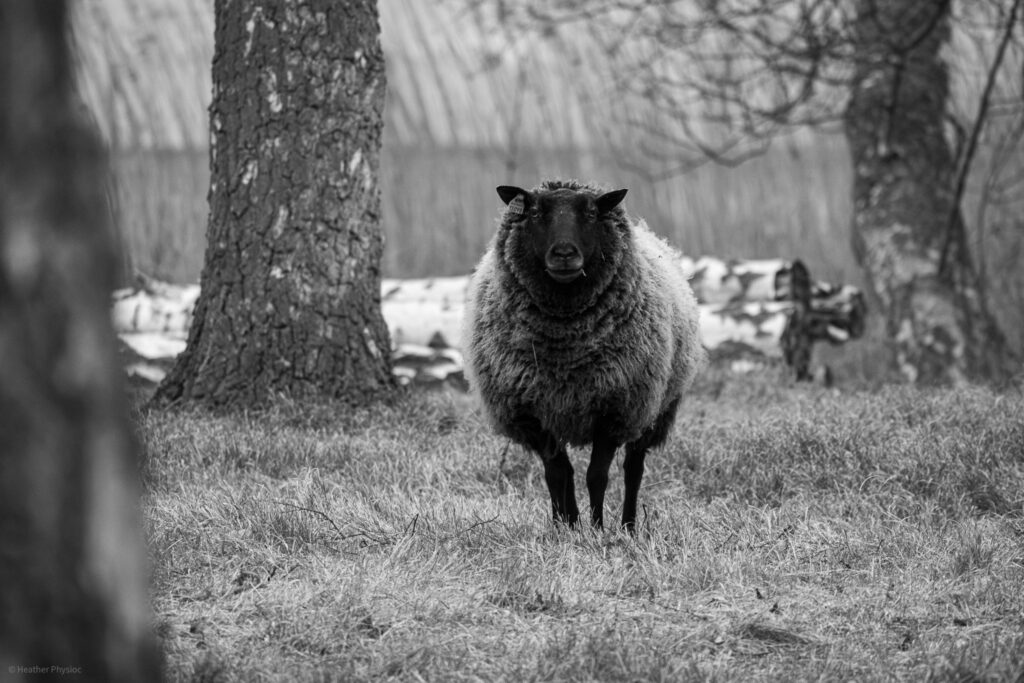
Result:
[515,197]
[509,192]
[609,200]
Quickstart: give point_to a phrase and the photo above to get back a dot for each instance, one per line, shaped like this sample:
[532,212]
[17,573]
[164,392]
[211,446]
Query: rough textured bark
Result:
[73,597]
[290,299]
[904,198]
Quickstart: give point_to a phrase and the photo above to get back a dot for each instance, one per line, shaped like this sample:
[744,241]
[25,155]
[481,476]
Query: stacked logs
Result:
[750,310]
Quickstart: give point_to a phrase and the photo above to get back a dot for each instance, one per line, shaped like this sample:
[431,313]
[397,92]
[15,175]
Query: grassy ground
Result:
[788,533]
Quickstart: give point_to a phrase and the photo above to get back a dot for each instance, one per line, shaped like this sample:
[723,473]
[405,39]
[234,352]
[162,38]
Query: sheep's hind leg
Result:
[597,474]
[558,472]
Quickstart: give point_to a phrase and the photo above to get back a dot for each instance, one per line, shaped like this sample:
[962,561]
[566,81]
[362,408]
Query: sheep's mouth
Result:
[565,276]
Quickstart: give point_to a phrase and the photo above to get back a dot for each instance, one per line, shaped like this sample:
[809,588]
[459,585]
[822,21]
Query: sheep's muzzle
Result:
[564,262]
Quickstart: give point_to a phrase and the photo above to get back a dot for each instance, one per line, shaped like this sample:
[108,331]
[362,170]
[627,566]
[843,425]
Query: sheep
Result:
[580,328]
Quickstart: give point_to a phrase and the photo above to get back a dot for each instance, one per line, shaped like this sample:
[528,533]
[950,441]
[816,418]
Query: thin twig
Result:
[479,522]
[410,528]
[342,536]
[972,143]
[318,513]
[503,461]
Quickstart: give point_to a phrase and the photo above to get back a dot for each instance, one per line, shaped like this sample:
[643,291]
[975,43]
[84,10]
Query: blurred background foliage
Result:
[480,96]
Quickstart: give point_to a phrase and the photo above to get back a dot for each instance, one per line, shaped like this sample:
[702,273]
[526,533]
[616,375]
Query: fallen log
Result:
[155,307]
[767,309]
[714,281]
[720,281]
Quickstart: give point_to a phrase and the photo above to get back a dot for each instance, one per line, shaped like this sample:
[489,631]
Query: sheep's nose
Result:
[564,250]
[564,261]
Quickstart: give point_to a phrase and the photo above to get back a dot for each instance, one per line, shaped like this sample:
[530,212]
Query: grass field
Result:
[787,533]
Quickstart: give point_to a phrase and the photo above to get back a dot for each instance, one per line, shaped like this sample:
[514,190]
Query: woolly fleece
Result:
[622,349]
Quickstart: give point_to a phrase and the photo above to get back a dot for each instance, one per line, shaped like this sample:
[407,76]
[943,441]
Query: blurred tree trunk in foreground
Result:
[72,577]
[290,301]
[908,229]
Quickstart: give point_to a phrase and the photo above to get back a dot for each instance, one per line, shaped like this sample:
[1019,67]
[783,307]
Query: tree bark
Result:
[73,588]
[290,300]
[904,197]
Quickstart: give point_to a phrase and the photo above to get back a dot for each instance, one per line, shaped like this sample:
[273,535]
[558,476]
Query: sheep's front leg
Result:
[597,474]
[633,470]
[558,472]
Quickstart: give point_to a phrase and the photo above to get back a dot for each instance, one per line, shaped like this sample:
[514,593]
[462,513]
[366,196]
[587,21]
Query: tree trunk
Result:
[904,206]
[290,300]
[73,595]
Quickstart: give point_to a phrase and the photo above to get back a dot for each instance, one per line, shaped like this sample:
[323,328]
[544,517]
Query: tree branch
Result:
[972,143]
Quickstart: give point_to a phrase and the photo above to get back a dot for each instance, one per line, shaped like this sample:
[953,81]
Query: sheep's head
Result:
[562,230]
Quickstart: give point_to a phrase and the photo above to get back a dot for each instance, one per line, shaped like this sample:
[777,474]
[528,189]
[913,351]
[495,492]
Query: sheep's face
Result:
[560,230]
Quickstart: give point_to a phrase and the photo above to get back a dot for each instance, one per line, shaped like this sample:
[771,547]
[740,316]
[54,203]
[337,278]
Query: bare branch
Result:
[972,142]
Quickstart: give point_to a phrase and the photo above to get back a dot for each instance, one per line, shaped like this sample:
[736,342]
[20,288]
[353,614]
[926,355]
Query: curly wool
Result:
[620,345]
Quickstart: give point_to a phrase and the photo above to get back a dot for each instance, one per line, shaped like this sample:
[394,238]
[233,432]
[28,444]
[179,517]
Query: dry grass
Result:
[440,208]
[789,533]
[160,199]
